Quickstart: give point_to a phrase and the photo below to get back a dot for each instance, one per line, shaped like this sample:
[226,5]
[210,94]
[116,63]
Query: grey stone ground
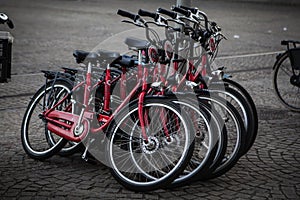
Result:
[47,32]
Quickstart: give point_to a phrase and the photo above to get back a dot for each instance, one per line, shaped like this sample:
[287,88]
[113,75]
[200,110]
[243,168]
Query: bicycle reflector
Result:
[168,47]
[153,54]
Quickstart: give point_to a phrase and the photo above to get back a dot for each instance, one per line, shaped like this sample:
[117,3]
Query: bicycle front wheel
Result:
[236,134]
[145,166]
[287,93]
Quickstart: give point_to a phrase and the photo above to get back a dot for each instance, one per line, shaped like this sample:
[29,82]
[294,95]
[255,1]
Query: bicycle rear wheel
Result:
[283,76]
[142,166]
[37,141]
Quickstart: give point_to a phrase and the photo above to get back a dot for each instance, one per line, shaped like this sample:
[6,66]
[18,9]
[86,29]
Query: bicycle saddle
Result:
[125,61]
[100,55]
[137,43]
[109,56]
[82,56]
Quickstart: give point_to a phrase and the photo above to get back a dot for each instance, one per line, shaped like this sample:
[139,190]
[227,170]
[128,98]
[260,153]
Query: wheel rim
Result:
[287,93]
[39,136]
[134,174]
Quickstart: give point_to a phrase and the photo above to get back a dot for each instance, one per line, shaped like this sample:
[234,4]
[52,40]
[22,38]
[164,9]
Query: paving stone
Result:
[289,192]
[152,197]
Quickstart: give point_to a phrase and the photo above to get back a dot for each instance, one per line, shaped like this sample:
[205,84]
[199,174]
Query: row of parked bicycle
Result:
[159,117]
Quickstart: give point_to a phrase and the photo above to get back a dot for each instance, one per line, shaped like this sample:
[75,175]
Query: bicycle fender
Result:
[278,57]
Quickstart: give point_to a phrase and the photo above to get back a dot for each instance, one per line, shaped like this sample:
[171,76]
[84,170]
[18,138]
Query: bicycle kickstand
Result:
[85,156]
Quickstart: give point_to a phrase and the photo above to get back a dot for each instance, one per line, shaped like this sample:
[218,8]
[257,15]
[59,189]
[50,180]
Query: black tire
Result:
[71,147]
[236,135]
[211,138]
[287,93]
[242,101]
[252,130]
[32,117]
[147,174]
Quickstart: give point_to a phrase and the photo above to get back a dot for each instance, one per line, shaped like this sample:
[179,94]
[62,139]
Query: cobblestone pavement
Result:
[48,31]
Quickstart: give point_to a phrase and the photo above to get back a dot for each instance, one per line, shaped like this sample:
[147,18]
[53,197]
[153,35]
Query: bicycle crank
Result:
[66,125]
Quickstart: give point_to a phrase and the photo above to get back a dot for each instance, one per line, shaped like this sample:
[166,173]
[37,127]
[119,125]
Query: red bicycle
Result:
[146,142]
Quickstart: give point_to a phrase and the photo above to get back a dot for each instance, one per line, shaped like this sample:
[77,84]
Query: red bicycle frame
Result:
[76,127]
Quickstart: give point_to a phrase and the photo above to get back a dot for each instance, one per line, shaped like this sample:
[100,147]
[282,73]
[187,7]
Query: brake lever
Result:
[221,34]
[188,19]
[158,24]
[131,22]
[162,20]
[177,21]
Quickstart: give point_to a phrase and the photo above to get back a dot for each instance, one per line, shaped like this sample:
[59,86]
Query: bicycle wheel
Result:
[145,166]
[252,128]
[208,138]
[37,141]
[243,103]
[283,74]
[236,134]
[74,147]
[71,147]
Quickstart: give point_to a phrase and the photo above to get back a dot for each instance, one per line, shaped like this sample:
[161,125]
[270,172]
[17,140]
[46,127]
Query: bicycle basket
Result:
[295,58]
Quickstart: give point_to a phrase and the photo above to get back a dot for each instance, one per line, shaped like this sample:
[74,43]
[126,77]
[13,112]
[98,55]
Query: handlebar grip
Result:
[167,12]
[148,14]
[181,11]
[125,13]
[193,10]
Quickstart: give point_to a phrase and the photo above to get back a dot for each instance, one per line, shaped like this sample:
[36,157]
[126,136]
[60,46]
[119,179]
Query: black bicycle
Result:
[286,75]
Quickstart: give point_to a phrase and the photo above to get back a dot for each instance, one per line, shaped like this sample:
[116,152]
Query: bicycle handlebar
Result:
[127,14]
[286,42]
[181,11]
[139,21]
[159,20]
[148,14]
[193,10]
[171,14]
[135,18]
[204,16]
[177,19]
[196,14]
[193,15]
